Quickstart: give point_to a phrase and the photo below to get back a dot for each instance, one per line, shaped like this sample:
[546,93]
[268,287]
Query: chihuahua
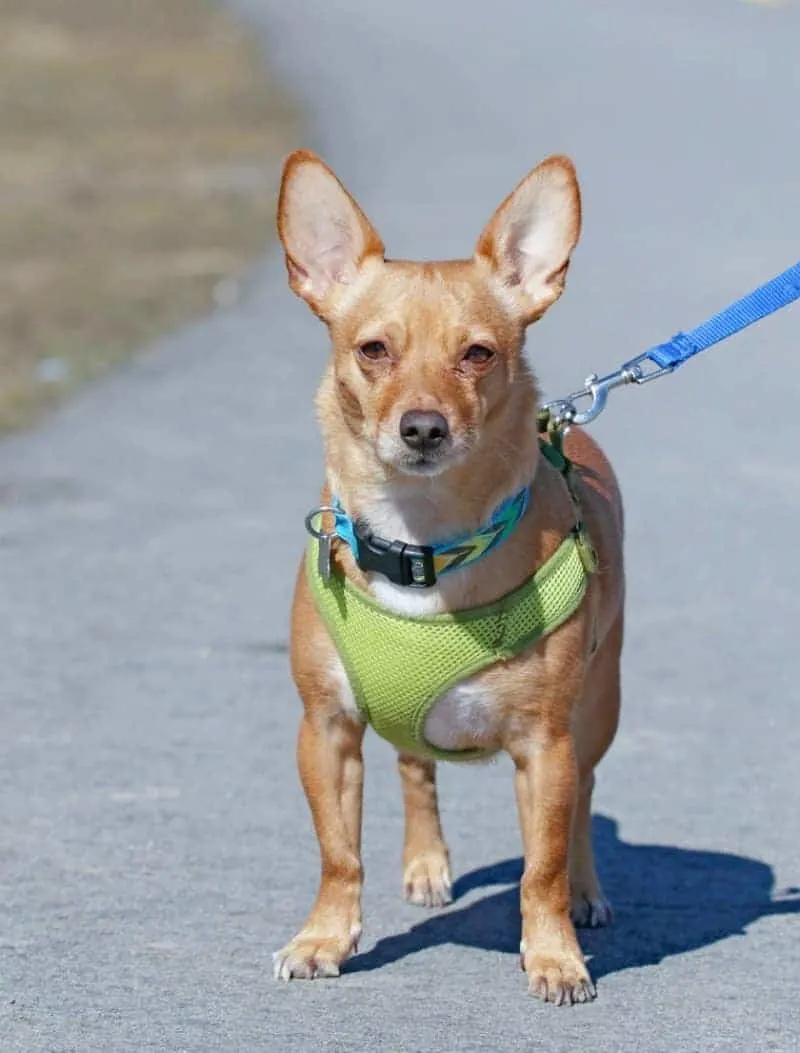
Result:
[428,410]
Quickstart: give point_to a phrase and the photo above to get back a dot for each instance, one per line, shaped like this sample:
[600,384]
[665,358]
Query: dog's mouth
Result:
[424,465]
[432,462]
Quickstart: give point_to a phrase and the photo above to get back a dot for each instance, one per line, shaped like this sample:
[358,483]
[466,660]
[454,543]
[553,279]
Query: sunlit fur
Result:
[553,708]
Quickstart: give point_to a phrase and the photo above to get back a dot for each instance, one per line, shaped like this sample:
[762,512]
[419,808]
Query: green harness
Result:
[399,666]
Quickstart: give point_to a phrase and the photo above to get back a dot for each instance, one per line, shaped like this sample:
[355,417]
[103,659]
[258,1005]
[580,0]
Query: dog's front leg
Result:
[426,863]
[332,773]
[546,784]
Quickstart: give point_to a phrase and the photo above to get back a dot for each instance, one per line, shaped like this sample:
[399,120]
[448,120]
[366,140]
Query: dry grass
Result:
[140,140]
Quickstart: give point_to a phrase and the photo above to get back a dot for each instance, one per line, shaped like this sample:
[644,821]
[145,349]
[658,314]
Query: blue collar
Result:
[420,566]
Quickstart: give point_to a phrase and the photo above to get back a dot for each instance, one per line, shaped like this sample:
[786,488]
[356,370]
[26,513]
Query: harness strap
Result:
[553,451]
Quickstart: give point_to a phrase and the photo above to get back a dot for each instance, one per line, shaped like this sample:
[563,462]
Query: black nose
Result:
[423,430]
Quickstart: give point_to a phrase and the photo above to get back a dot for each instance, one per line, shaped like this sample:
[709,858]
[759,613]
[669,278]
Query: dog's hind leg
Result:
[426,864]
[589,906]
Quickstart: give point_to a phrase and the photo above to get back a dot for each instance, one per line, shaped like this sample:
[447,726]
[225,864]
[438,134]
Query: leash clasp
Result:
[646,368]
[565,411]
[639,370]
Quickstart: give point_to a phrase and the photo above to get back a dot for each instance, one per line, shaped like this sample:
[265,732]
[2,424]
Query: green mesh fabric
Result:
[399,666]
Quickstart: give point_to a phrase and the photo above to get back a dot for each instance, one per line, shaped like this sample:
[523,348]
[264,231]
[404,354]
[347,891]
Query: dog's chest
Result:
[464,717]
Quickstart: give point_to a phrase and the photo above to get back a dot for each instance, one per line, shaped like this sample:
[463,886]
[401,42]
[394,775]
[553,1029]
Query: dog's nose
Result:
[423,430]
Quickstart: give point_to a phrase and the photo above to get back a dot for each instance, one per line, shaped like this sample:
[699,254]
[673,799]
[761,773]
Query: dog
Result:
[428,411]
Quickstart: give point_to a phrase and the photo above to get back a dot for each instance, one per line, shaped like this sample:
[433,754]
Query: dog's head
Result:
[425,354]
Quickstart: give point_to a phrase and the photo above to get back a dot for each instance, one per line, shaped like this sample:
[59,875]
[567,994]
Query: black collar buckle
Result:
[409,565]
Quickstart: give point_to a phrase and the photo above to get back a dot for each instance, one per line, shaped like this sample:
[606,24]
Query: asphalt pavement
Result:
[156,846]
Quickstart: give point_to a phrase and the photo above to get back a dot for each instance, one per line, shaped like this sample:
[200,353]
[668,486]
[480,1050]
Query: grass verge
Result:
[140,142]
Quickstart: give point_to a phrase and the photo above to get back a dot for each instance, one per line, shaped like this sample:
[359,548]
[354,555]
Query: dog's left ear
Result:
[529,239]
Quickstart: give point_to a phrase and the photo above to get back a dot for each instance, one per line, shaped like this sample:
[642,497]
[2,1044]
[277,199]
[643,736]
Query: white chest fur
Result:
[466,710]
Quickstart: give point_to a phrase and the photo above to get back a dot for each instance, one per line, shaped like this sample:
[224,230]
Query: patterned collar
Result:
[420,566]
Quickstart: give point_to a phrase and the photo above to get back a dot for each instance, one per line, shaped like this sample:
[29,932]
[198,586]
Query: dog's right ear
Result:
[325,235]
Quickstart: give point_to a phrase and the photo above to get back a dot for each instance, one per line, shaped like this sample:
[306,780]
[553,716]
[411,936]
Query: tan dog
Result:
[440,345]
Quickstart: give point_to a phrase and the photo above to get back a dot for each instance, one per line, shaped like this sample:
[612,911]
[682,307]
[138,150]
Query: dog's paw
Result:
[562,981]
[561,985]
[427,881]
[591,912]
[313,957]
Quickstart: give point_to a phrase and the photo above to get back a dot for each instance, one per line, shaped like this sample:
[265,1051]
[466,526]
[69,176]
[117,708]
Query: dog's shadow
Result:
[667,901]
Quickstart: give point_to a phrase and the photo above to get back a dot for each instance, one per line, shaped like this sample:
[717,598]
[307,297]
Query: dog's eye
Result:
[373,350]
[478,354]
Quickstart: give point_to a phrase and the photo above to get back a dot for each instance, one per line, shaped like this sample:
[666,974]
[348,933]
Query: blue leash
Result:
[665,358]
[768,298]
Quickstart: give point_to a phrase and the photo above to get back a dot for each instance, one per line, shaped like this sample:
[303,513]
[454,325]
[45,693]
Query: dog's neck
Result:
[422,510]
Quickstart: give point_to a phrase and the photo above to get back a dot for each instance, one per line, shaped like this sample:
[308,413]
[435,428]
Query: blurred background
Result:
[155,845]
[142,143]
[139,148]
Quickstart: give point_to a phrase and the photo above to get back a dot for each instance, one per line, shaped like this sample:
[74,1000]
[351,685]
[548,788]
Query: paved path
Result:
[155,844]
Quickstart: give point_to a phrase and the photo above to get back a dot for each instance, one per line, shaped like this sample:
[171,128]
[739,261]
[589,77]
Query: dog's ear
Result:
[325,235]
[529,239]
